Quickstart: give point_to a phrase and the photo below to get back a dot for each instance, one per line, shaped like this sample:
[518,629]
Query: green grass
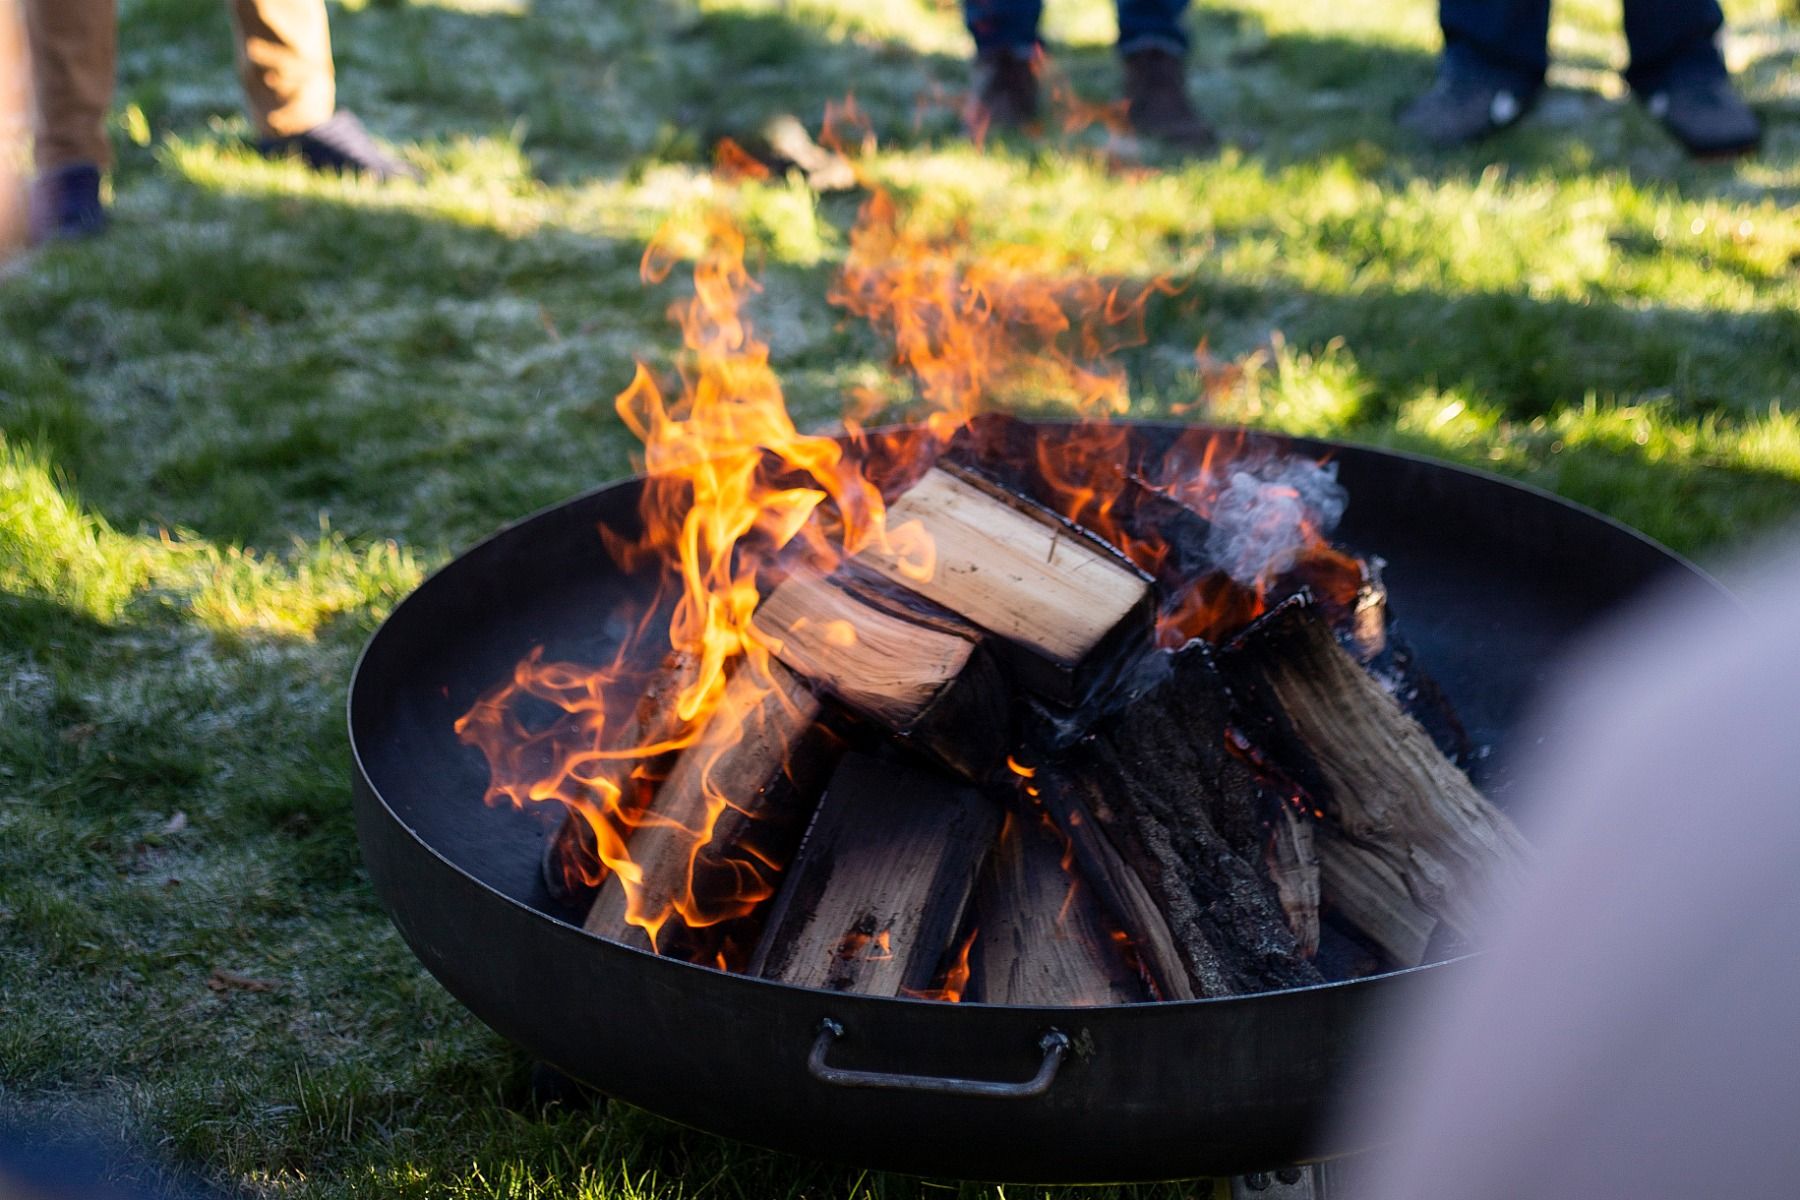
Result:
[239,428]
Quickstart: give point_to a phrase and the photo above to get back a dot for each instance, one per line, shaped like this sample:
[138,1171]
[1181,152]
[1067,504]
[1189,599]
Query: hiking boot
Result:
[1706,116]
[65,204]
[341,144]
[1157,101]
[1464,104]
[1006,90]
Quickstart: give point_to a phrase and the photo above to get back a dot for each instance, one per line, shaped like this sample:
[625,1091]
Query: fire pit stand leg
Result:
[1289,1183]
[550,1086]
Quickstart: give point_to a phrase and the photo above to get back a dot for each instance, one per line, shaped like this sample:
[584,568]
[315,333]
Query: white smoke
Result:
[1267,513]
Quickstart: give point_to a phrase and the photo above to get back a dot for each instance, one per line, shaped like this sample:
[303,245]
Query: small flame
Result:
[956,975]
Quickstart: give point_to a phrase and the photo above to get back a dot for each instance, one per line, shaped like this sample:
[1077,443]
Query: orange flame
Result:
[956,975]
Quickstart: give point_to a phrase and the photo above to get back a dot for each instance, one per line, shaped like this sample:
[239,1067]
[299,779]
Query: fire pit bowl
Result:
[1491,582]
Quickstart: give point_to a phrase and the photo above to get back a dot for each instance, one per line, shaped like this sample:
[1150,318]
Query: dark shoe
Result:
[1464,105]
[1157,101]
[1006,90]
[65,204]
[339,143]
[1706,116]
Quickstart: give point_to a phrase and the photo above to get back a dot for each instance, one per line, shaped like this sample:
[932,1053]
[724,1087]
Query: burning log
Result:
[726,819]
[1042,938]
[1188,817]
[898,660]
[878,891]
[1374,769]
[1059,599]
[572,860]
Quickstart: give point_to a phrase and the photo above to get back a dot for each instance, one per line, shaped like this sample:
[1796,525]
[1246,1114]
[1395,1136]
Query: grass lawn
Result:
[238,428]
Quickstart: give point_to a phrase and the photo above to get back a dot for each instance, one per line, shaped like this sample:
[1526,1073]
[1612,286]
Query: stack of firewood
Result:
[988,782]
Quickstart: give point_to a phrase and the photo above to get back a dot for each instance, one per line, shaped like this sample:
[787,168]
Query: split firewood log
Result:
[572,863]
[1059,602]
[1191,820]
[1374,771]
[1041,938]
[1293,864]
[894,658]
[882,882]
[712,843]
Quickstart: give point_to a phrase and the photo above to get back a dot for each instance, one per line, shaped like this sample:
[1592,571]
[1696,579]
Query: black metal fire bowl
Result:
[1491,582]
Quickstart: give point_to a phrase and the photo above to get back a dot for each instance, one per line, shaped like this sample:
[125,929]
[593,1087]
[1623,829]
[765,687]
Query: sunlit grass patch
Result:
[239,592]
[53,551]
[1317,395]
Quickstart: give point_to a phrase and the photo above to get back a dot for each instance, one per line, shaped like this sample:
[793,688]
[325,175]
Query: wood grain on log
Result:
[1293,865]
[1057,597]
[879,888]
[1370,896]
[1377,773]
[913,668]
[1042,938]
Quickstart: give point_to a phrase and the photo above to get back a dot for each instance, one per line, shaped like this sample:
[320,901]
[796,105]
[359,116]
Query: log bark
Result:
[881,884]
[1059,600]
[1190,819]
[912,668]
[1042,938]
[1373,769]
[1121,895]
[712,844]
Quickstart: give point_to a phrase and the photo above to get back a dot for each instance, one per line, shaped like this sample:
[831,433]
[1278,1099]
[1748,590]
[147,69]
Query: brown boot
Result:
[1006,91]
[1158,104]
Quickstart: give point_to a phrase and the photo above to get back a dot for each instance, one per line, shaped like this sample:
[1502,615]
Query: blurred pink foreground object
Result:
[1634,1028]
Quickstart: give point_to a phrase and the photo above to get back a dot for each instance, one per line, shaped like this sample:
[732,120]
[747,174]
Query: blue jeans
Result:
[1012,25]
[1669,39]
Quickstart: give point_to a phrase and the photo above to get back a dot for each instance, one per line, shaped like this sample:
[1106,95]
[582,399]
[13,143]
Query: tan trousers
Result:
[283,56]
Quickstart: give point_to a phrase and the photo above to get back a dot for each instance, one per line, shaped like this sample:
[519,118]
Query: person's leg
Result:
[1152,25]
[1495,56]
[1006,44]
[1152,47]
[290,84]
[284,63]
[1004,26]
[1672,39]
[74,49]
[1678,72]
[1508,37]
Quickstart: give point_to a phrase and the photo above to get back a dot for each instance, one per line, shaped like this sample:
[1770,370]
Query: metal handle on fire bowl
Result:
[1054,1044]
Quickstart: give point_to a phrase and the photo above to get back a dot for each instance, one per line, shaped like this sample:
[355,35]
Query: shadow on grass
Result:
[477,388]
